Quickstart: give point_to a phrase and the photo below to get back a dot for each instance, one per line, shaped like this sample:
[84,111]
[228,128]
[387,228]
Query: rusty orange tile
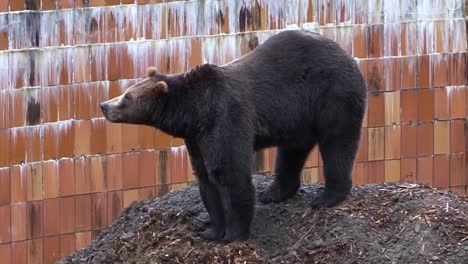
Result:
[458,135]
[51,250]
[457,69]
[376,109]
[424,72]
[5,253]
[49,104]
[50,178]
[98,136]
[35,251]
[441,31]
[408,32]
[440,69]
[409,68]
[67,215]
[66,139]
[362,154]
[63,4]
[19,222]
[51,217]
[34,181]
[375,41]
[35,216]
[5,224]
[178,163]
[425,139]
[98,174]
[441,171]
[392,170]
[66,175]
[409,140]
[83,177]
[147,168]
[114,168]
[195,57]
[98,210]
[33,144]
[5,186]
[161,139]
[130,137]
[114,205]
[65,103]
[82,137]
[457,101]
[392,142]
[83,212]
[425,104]
[458,169]
[146,193]
[360,41]
[146,137]
[376,171]
[130,170]
[409,106]
[129,196]
[163,167]
[408,169]
[67,245]
[50,142]
[441,103]
[375,75]
[4,110]
[18,183]
[392,108]
[114,138]
[18,252]
[392,74]
[4,152]
[359,174]
[99,57]
[18,145]
[82,67]
[82,239]
[376,143]
[129,71]
[425,170]
[441,137]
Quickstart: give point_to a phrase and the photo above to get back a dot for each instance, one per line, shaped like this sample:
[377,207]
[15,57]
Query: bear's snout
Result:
[104,107]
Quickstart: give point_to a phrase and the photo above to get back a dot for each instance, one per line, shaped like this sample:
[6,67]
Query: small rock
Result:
[127,237]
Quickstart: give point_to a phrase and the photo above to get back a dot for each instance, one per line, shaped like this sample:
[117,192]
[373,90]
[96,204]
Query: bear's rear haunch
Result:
[296,90]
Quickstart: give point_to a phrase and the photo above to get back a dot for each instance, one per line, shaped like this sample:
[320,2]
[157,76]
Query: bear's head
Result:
[137,104]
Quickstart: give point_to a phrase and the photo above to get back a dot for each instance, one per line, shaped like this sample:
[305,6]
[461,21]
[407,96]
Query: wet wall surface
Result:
[66,173]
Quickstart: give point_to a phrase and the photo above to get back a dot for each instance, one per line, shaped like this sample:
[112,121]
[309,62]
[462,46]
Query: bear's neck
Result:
[180,113]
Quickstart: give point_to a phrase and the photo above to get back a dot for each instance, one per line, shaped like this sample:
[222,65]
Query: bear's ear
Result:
[152,72]
[161,87]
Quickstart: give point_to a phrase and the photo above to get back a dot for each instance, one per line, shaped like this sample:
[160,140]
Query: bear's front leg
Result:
[209,194]
[228,164]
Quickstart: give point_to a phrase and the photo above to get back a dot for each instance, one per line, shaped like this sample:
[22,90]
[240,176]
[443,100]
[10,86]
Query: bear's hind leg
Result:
[288,167]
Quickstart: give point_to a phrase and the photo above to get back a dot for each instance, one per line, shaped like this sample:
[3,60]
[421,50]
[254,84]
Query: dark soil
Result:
[378,223]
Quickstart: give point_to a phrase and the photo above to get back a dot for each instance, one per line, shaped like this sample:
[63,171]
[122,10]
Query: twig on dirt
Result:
[446,207]
[188,253]
[463,239]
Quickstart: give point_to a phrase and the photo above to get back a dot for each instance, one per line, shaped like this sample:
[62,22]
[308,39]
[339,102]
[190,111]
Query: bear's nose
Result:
[104,107]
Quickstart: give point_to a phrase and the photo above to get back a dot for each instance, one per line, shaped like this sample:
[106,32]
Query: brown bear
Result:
[294,91]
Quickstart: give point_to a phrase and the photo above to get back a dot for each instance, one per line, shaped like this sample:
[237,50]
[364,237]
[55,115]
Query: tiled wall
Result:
[66,173]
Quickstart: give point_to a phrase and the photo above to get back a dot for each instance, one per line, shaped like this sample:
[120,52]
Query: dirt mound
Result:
[379,223]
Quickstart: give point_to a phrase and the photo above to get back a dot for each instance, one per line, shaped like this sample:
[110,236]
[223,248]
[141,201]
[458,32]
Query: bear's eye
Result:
[127,96]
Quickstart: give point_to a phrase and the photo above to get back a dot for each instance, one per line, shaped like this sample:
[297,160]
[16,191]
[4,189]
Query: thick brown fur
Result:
[294,91]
